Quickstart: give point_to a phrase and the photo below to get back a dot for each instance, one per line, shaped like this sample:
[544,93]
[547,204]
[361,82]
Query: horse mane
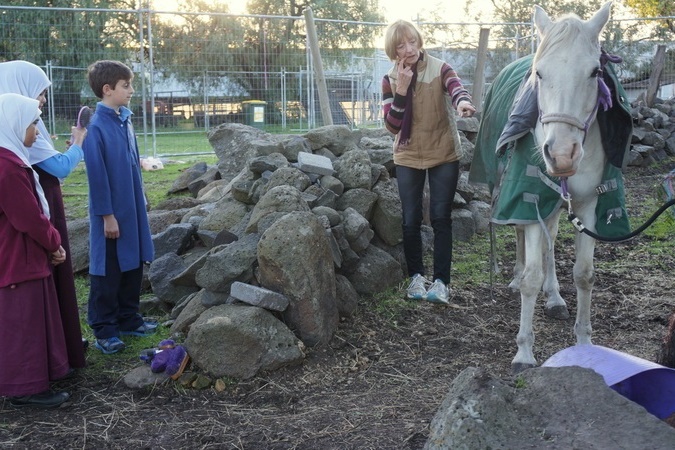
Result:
[566,32]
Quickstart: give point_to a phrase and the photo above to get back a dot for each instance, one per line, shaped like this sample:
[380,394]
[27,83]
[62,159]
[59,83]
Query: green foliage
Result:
[655,8]
[519,13]
[68,39]
[242,46]
[391,303]
[520,382]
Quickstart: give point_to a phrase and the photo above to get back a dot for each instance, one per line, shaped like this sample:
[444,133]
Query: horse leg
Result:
[584,278]
[520,259]
[530,285]
[555,307]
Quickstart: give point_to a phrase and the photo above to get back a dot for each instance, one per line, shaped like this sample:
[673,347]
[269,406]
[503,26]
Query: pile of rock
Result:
[301,226]
[280,239]
[653,133]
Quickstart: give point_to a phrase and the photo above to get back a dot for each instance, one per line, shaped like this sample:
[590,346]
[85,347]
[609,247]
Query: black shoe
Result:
[47,399]
[85,344]
[68,375]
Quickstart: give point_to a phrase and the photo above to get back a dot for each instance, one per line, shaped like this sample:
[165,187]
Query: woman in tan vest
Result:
[426,144]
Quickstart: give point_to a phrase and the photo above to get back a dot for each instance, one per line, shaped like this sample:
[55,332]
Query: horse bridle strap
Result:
[604,99]
[566,118]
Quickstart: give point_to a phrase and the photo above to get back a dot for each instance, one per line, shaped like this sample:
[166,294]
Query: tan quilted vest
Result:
[434,138]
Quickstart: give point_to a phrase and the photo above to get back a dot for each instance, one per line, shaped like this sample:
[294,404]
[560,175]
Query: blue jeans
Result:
[442,187]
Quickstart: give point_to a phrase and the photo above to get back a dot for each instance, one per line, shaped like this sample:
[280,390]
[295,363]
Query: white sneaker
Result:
[417,290]
[438,293]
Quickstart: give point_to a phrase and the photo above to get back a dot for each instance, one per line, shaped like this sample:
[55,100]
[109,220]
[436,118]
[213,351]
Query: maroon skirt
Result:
[63,273]
[32,343]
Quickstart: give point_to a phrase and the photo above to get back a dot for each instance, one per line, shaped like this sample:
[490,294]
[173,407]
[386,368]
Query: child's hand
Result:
[111,228]
[58,256]
[77,135]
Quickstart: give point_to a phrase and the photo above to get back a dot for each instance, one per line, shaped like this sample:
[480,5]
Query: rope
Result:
[576,222]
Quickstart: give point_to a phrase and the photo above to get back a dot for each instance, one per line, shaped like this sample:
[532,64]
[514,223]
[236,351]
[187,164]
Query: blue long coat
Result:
[115,187]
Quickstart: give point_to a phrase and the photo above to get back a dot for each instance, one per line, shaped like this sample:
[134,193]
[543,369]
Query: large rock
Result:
[278,199]
[388,214]
[353,169]
[295,260]
[234,144]
[162,270]
[187,176]
[240,341]
[543,408]
[177,238]
[230,263]
[78,235]
[226,214]
[375,271]
[338,139]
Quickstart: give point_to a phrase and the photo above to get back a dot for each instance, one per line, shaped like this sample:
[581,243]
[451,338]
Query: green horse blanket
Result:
[505,157]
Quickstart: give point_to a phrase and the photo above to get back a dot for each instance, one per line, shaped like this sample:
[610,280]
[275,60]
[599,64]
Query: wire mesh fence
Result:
[196,70]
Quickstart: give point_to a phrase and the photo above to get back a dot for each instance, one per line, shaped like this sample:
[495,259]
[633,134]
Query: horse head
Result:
[567,72]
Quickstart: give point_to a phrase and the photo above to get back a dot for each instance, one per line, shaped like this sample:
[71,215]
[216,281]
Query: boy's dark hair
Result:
[107,72]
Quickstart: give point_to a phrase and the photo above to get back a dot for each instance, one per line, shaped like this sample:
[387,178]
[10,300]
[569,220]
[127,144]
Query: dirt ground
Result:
[382,379]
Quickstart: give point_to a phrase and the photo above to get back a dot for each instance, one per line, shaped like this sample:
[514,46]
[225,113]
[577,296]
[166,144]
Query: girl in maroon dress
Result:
[32,343]
[25,78]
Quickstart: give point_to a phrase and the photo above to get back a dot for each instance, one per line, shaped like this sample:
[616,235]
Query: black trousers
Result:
[442,187]
[114,298]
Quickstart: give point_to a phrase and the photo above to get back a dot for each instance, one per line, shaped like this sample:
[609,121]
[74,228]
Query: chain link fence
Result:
[196,70]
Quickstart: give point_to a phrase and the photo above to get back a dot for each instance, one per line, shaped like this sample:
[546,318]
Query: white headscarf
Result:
[17,112]
[25,78]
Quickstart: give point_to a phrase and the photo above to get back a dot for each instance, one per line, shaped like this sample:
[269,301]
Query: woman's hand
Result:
[466,109]
[405,75]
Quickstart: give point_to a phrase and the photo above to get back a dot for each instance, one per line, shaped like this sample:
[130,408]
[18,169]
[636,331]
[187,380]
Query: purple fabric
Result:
[408,113]
[604,95]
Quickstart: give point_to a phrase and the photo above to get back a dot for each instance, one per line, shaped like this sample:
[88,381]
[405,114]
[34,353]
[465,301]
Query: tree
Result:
[69,40]
[519,12]
[253,50]
[655,8]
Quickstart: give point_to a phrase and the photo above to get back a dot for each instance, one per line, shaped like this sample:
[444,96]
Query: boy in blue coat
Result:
[119,235]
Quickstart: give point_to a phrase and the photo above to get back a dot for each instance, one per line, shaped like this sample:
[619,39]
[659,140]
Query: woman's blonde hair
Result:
[398,32]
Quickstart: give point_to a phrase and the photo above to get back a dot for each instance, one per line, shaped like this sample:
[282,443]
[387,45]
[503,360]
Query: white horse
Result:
[567,86]
[566,67]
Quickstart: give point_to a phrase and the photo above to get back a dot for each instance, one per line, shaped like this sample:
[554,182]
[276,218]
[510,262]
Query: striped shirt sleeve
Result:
[393,107]
[453,85]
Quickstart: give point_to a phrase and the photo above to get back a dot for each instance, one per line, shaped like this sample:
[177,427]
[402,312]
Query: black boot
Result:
[47,399]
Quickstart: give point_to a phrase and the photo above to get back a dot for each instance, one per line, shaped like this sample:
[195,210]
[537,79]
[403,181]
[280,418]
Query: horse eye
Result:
[537,74]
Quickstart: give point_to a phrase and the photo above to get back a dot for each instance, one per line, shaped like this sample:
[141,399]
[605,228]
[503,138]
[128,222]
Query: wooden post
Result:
[313,41]
[479,75]
[655,76]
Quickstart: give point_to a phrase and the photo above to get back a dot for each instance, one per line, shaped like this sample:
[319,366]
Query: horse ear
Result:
[541,20]
[598,21]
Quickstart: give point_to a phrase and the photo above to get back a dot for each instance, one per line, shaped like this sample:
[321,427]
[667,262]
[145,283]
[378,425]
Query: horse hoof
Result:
[557,312]
[516,368]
